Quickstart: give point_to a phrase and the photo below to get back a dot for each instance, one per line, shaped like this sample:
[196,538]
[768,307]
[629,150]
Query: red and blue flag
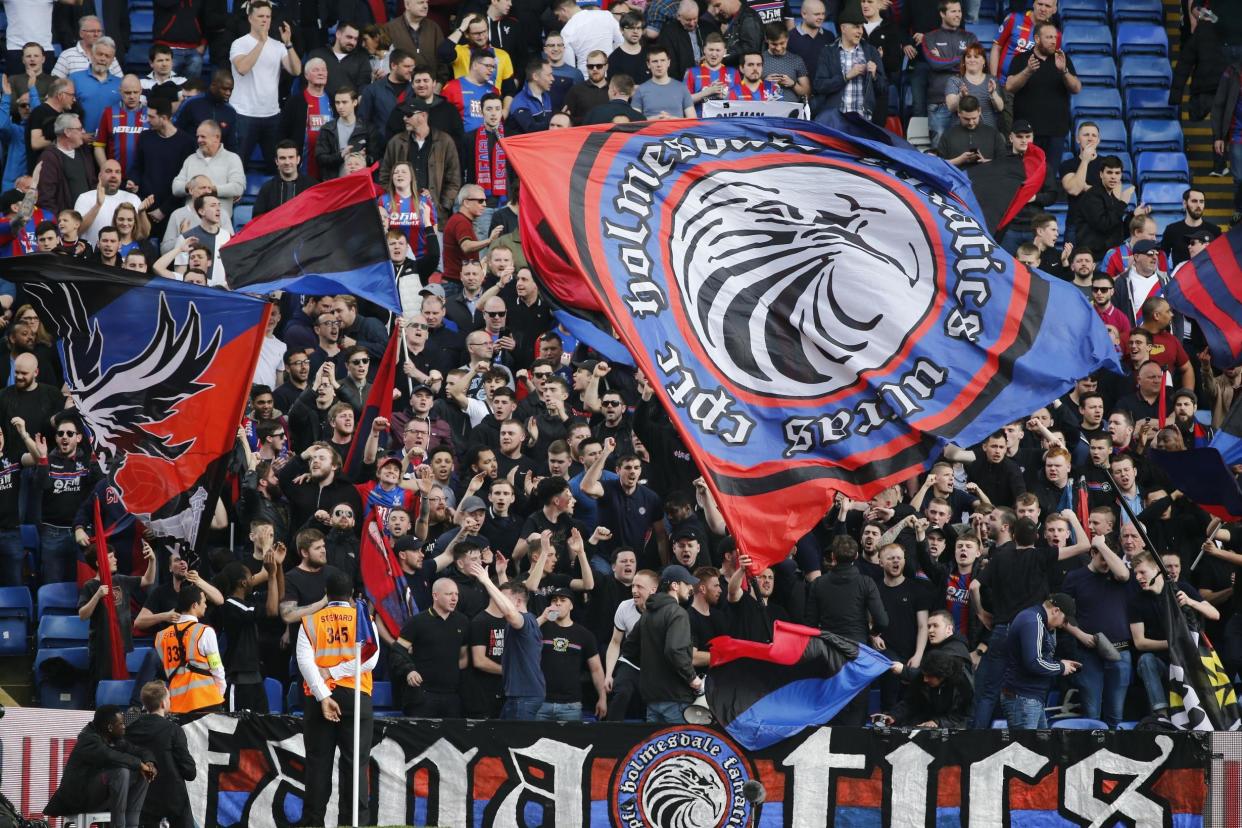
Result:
[378,404]
[817,311]
[328,239]
[382,578]
[1208,289]
[159,371]
[763,693]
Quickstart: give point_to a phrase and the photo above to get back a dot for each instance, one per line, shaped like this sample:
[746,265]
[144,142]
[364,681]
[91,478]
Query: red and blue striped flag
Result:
[1208,289]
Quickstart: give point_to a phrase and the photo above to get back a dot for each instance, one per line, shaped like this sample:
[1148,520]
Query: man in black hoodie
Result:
[104,772]
[163,738]
[845,602]
[941,697]
[667,679]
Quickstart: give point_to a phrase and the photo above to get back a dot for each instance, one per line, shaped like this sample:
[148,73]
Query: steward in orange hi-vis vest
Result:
[190,654]
[326,652]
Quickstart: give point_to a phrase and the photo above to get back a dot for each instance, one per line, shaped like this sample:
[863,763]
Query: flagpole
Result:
[358,774]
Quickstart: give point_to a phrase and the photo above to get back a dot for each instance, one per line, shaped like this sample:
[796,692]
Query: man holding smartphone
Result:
[970,141]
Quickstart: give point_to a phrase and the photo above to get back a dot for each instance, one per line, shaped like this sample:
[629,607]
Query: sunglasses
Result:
[478,200]
[610,403]
[543,374]
[66,434]
[418,326]
[596,65]
[1101,290]
[360,362]
[280,434]
[495,314]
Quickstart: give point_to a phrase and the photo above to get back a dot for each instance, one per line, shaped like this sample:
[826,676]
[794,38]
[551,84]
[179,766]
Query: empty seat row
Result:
[1131,39]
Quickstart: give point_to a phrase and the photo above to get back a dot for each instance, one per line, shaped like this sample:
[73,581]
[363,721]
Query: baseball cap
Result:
[676,573]
[1201,235]
[1145,246]
[385,461]
[586,365]
[1065,604]
[407,543]
[435,289]
[561,592]
[1021,127]
[412,105]
[474,503]
[686,531]
[421,387]
[1188,394]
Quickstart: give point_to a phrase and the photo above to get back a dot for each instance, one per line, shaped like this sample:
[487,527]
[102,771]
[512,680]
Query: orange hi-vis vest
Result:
[191,686]
[331,632]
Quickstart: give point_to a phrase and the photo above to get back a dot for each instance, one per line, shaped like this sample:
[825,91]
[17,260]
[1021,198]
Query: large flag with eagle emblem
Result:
[818,312]
[159,372]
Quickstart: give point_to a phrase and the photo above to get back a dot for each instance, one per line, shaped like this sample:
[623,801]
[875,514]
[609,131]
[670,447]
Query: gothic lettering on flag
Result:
[817,312]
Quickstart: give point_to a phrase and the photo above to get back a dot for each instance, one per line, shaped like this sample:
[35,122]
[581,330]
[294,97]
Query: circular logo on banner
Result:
[795,300]
[684,777]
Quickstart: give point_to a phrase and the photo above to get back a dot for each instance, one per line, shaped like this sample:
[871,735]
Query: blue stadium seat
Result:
[242,214]
[1142,39]
[1164,218]
[1000,724]
[275,697]
[1113,136]
[1162,166]
[1079,724]
[114,692]
[986,32]
[135,657]
[1127,168]
[1096,102]
[1083,11]
[381,700]
[58,599]
[57,631]
[59,694]
[1155,136]
[1096,70]
[293,699]
[253,182]
[1087,39]
[1146,102]
[16,612]
[1127,725]
[141,21]
[1144,70]
[1163,195]
[1149,11]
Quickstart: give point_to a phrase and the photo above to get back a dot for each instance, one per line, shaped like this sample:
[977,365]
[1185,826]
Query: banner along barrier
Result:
[457,773]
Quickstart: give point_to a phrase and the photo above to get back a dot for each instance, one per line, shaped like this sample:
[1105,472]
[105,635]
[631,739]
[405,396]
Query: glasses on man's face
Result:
[360,362]
[542,374]
[596,65]
[301,363]
[1101,290]
[279,434]
[610,403]
[66,434]
[496,314]
[418,326]
[476,200]
[342,514]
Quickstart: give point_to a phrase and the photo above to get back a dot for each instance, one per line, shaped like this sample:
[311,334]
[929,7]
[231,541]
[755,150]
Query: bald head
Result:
[444,595]
[25,371]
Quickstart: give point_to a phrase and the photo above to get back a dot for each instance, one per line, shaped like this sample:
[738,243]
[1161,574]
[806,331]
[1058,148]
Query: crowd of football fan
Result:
[555,476]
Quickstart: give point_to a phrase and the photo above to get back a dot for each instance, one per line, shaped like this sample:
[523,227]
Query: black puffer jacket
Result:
[840,601]
[664,637]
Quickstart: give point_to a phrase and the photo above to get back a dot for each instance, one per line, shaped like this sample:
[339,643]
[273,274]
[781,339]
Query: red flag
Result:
[116,650]
[1081,507]
[378,404]
[381,577]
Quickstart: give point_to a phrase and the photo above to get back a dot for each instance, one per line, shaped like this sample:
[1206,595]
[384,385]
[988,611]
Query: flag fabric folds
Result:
[382,578]
[116,643]
[378,404]
[1201,695]
[1208,289]
[159,372]
[328,239]
[1228,438]
[1202,476]
[763,693]
[818,312]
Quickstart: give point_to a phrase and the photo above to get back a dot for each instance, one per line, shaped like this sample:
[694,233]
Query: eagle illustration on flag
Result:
[817,312]
[158,371]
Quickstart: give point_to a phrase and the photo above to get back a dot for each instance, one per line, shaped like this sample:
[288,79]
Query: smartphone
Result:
[504,332]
